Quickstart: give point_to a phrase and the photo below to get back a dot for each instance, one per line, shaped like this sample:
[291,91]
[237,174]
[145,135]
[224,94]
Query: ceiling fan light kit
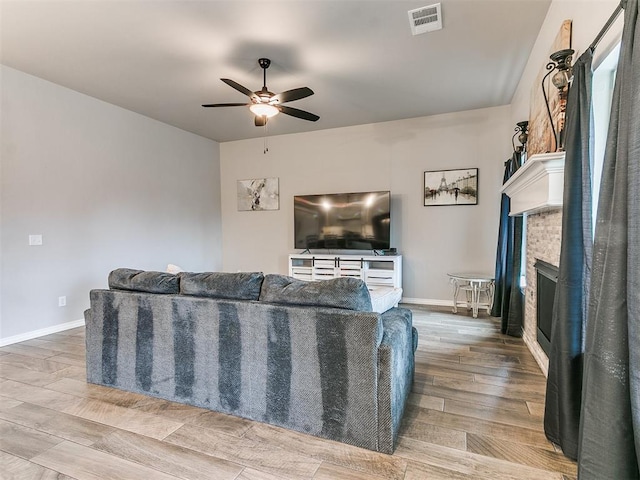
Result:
[265,104]
[263,110]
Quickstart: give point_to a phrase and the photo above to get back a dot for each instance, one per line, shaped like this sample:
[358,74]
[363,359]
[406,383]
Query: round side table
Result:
[473,284]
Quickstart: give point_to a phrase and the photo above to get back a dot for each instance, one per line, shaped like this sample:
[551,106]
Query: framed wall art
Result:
[258,194]
[451,187]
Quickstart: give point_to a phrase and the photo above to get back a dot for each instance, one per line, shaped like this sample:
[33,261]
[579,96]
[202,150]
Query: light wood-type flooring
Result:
[475,413]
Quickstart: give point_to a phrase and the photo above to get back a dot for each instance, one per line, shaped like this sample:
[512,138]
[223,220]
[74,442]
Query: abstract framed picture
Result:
[258,194]
[451,187]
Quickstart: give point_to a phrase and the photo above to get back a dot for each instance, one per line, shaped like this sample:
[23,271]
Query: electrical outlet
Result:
[35,239]
[62,301]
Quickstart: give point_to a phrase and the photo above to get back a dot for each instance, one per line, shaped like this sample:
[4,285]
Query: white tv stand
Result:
[373,269]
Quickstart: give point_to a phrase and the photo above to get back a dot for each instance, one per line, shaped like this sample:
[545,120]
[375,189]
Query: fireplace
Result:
[546,280]
[536,191]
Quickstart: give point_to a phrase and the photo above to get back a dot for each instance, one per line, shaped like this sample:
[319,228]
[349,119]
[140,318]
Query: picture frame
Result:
[450,187]
[258,194]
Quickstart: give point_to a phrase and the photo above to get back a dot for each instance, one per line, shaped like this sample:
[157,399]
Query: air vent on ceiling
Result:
[425,19]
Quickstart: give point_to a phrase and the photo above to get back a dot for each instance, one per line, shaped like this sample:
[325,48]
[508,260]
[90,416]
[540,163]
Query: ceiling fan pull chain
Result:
[266,141]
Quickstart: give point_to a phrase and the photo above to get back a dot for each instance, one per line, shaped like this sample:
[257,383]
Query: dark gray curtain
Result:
[609,445]
[508,301]
[564,383]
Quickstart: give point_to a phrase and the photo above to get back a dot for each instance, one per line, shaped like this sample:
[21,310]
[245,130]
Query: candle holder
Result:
[522,131]
[560,64]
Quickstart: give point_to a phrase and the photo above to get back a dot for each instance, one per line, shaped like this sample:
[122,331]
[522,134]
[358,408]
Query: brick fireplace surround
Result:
[543,243]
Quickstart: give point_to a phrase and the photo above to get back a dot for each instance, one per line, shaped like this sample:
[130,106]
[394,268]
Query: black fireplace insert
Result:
[546,280]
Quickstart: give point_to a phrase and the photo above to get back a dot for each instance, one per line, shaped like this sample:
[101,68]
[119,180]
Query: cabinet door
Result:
[324,268]
[351,268]
[381,272]
[301,268]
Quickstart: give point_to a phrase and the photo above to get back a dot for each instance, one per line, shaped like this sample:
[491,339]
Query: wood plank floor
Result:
[475,413]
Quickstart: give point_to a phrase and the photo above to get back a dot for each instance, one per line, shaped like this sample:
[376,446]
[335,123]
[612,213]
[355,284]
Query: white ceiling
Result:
[164,59]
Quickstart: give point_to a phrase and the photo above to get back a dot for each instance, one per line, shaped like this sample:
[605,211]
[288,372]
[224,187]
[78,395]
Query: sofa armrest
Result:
[396,366]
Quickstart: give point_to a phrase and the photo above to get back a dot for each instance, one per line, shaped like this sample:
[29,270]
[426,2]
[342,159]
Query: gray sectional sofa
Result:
[308,356]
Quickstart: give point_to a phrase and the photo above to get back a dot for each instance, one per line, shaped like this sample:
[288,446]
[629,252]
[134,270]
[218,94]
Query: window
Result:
[523,253]
[604,78]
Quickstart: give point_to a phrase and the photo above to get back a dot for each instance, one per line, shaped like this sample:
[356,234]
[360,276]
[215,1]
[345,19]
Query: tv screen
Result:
[350,221]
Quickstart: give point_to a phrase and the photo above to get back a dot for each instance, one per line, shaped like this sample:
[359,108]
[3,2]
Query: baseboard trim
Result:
[41,332]
[428,301]
[538,354]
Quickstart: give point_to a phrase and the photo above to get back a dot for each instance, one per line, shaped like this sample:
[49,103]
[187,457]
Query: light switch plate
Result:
[35,239]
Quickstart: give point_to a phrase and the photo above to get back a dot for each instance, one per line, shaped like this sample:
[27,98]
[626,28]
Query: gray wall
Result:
[106,188]
[384,156]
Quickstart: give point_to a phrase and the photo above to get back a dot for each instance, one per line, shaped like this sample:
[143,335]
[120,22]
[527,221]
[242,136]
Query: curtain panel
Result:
[609,444]
[564,382]
[508,299]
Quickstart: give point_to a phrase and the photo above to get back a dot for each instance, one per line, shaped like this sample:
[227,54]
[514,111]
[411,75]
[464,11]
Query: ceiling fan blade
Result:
[291,95]
[294,112]
[260,121]
[241,89]
[226,105]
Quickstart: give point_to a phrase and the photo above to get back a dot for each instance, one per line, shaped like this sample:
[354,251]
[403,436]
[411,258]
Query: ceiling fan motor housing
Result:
[265,96]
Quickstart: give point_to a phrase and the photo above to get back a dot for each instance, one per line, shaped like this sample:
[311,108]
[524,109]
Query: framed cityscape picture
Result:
[451,187]
[258,194]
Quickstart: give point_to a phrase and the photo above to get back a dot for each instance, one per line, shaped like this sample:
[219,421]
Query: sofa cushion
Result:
[343,292]
[141,281]
[234,286]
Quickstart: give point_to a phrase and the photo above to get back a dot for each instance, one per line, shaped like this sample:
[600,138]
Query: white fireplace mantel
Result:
[537,185]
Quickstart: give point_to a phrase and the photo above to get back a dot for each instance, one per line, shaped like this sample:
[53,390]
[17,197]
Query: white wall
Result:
[106,188]
[384,156]
[588,17]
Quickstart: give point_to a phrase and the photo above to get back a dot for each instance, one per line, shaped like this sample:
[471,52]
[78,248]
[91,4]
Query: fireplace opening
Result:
[546,280]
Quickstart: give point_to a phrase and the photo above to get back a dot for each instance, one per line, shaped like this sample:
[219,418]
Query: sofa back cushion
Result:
[233,286]
[141,281]
[343,292]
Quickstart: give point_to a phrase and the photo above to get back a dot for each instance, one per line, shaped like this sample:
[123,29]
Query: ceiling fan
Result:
[265,104]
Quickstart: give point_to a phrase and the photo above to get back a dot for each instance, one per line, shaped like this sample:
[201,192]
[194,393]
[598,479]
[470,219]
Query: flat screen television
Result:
[349,221]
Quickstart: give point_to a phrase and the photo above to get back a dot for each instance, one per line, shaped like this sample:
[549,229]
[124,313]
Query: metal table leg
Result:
[475,298]
[490,290]
[456,290]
